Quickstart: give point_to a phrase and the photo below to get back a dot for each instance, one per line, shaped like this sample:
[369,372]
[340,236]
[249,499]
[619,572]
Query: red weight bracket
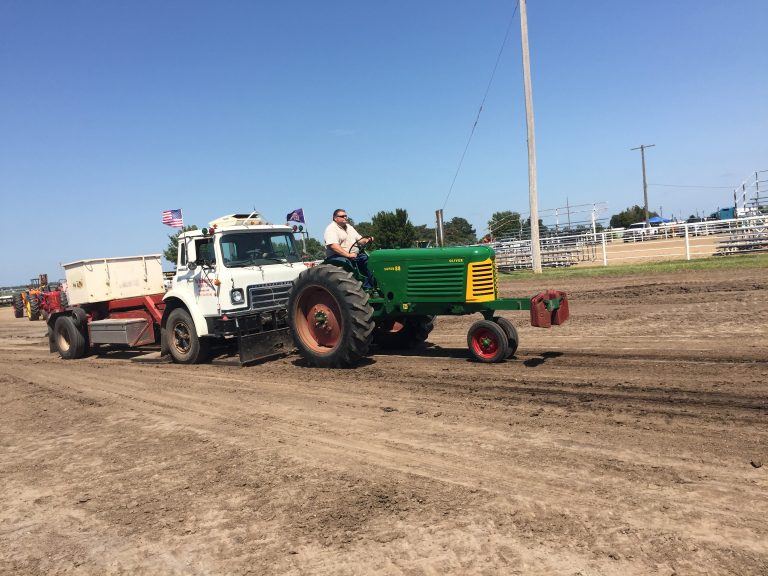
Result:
[541,317]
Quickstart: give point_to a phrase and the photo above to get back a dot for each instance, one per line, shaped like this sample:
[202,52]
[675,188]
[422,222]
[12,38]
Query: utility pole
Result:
[532,194]
[642,148]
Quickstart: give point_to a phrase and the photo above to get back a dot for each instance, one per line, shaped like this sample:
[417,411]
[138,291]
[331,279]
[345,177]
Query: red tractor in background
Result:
[40,299]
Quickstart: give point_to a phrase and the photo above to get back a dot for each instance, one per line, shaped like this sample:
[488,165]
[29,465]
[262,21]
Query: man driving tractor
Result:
[343,243]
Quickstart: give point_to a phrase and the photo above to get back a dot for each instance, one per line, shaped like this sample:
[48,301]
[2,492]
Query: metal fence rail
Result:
[625,246]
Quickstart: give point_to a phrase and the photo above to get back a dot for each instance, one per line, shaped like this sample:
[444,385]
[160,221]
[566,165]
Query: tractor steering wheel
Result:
[361,247]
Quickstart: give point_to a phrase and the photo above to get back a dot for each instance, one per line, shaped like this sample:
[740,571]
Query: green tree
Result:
[459,232]
[392,229]
[364,228]
[172,252]
[423,236]
[630,216]
[505,223]
[314,248]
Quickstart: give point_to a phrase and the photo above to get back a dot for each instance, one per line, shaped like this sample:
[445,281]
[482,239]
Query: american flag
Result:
[173,218]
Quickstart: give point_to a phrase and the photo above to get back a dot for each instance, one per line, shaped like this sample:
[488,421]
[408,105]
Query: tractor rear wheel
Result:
[34,307]
[402,333]
[18,305]
[487,341]
[69,341]
[183,343]
[512,337]
[330,318]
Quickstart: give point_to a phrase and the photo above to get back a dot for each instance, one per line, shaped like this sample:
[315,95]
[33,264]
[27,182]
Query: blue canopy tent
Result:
[658,220]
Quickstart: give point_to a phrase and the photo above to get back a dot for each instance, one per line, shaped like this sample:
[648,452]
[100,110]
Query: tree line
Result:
[395,230]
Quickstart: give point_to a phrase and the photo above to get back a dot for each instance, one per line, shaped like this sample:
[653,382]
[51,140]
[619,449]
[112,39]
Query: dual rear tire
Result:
[68,338]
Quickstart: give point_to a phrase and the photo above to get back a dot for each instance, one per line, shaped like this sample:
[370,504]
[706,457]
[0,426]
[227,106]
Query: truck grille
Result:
[269,296]
[436,281]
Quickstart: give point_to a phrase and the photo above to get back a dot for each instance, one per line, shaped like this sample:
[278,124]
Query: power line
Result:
[480,110]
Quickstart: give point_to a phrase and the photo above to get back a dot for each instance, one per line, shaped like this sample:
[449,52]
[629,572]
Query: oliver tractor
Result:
[335,322]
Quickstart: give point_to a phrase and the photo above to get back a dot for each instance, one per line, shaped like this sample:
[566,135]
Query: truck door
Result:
[197,268]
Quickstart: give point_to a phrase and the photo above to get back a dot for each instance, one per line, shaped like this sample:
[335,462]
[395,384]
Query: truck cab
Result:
[232,281]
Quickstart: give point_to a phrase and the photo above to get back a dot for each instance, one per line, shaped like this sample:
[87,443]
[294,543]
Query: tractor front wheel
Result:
[512,338]
[330,318]
[18,305]
[487,341]
[69,341]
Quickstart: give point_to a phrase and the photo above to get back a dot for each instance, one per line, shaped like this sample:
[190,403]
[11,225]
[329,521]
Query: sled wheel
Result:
[183,343]
[512,338]
[330,318]
[69,341]
[487,341]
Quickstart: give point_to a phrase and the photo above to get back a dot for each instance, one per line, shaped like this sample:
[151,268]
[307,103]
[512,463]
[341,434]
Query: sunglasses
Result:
[342,216]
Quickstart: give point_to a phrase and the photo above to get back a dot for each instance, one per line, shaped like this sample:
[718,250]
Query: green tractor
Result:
[335,322]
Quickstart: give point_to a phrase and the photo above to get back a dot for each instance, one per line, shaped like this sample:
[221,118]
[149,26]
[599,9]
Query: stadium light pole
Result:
[642,148]
[532,192]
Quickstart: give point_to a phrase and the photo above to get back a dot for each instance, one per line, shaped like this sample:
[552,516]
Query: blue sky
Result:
[111,112]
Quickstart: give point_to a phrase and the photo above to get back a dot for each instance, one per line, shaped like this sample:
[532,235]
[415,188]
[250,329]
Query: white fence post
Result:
[605,252]
[687,244]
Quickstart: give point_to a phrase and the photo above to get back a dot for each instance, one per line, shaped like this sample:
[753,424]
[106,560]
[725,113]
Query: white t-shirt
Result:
[335,234]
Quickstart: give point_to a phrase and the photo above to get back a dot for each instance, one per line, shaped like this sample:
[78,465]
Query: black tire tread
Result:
[357,315]
[512,335]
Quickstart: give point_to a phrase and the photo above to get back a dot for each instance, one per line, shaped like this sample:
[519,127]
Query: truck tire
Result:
[402,333]
[181,336]
[487,342]
[68,339]
[34,307]
[18,305]
[512,337]
[330,318]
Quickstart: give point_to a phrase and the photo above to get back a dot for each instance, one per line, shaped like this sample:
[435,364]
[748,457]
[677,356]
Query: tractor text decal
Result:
[392,269]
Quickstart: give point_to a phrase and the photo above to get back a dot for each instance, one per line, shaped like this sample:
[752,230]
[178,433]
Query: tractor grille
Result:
[434,281]
[269,296]
[481,285]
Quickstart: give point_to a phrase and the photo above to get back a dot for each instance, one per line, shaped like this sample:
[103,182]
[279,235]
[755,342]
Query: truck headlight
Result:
[236,296]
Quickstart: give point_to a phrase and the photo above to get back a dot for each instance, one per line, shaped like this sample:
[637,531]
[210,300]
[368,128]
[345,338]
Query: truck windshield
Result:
[258,249]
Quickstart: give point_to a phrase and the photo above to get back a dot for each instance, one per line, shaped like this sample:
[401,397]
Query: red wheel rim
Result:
[485,344]
[318,319]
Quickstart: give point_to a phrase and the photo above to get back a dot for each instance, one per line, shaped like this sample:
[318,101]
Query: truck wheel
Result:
[69,341]
[183,343]
[34,307]
[402,333]
[18,305]
[330,318]
[487,341]
[512,338]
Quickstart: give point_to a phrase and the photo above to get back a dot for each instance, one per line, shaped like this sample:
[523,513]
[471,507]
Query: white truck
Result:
[230,289]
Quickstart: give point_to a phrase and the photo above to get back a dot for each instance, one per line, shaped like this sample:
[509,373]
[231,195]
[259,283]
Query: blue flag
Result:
[295,216]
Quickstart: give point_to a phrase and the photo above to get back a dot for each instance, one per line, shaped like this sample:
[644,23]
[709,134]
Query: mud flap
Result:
[542,313]
[255,347]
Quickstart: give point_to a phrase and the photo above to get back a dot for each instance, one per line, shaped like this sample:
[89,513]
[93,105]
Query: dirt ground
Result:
[633,441]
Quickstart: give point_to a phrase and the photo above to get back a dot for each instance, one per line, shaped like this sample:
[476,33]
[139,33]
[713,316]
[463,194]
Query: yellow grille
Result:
[481,281]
